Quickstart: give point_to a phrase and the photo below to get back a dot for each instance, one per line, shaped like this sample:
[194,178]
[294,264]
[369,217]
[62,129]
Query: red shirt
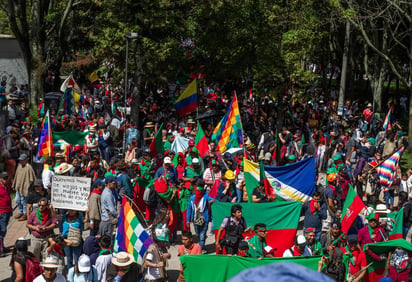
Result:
[360,260]
[5,201]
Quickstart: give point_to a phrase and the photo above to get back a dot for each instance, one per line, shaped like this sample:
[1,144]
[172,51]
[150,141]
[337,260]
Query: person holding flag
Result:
[372,232]
[354,258]
[315,211]
[258,242]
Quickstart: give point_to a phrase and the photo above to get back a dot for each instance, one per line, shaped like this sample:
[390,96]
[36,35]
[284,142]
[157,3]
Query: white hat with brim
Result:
[122,259]
[50,262]
[381,208]
[63,168]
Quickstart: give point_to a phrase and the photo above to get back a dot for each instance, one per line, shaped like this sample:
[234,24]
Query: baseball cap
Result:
[195,160]
[167,160]
[84,263]
[22,157]
[191,142]
[109,179]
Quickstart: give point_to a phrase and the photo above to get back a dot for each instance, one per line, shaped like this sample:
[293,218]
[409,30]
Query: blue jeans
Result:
[239,194]
[72,255]
[21,202]
[201,234]
[389,198]
[4,220]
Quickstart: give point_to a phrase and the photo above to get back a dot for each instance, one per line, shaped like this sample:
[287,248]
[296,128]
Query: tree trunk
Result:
[135,107]
[342,87]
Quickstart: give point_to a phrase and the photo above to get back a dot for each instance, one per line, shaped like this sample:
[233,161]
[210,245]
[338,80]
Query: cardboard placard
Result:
[70,192]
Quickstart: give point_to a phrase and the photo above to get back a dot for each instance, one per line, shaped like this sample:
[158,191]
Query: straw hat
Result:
[50,262]
[149,124]
[381,208]
[63,168]
[230,175]
[122,259]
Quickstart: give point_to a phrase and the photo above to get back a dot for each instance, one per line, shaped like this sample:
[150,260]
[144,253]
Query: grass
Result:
[406,161]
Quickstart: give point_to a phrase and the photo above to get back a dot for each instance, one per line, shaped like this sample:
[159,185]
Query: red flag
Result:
[352,207]
[201,141]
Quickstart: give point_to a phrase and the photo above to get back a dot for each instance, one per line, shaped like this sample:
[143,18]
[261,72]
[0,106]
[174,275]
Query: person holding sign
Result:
[109,207]
[41,223]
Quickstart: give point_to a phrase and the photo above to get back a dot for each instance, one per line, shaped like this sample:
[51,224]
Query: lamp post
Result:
[130,35]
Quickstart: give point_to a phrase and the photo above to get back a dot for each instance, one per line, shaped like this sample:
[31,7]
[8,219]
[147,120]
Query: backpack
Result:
[150,196]
[33,269]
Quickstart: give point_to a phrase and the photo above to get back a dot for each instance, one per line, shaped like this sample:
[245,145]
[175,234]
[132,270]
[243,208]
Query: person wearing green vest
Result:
[258,242]
[314,245]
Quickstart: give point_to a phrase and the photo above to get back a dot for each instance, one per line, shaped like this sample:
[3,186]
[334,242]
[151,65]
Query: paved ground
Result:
[18,229]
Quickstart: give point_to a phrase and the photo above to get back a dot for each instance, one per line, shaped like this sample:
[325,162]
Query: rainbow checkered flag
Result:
[228,132]
[387,169]
[131,237]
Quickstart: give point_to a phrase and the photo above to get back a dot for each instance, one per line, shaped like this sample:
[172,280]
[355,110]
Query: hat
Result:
[195,161]
[369,105]
[268,156]
[190,120]
[336,224]
[4,174]
[292,158]
[250,145]
[149,124]
[122,259]
[98,182]
[60,155]
[84,263]
[134,161]
[110,178]
[268,250]
[38,182]
[92,128]
[243,245]
[50,262]
[167,160]
[332,133]
[191,142]
[310,230]
[352,238]
[300,241]
[229,174]
[63,168]
[337,157]
[381,208]
[147,152]
[23,157]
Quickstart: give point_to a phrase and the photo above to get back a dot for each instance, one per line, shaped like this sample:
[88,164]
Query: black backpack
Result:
[150,196]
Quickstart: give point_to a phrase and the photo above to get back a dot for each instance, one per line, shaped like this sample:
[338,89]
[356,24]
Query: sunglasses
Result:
[42,206]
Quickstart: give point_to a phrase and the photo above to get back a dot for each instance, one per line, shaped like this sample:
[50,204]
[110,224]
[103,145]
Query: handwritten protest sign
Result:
[70,192]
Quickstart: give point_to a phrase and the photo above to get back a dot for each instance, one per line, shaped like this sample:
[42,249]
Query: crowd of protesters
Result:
[347,143]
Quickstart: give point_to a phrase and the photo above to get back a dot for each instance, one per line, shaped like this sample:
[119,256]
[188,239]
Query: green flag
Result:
[72,137]
[156,146]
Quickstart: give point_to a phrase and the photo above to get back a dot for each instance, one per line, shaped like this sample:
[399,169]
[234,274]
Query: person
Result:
[371,233]
[154,262]
[333,240]
[243,250]
[23,179]
[199,202]
[123,268]
[82,271]
[314,211]
[34,197]
[262,195]
[50,266]
[234,226]
[354,257]
[298,249]
[5,210]
[18,260]
[41,224]
[167,168]
[109,207]
[227,189]
[258,242]
[104,259]
[95,207]
[313,245]
[188,247]
[48,173]
[212,177]
[56,246]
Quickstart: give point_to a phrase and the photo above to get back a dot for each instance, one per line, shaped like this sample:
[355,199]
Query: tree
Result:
[393,44]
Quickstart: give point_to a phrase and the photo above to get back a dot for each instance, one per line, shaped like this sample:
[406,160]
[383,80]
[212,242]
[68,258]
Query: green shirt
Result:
[256,247]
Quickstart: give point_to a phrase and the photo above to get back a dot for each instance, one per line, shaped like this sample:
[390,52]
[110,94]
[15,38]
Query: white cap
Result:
[195,160]
[268,249]
[300,240]
[84,263]
[167,160]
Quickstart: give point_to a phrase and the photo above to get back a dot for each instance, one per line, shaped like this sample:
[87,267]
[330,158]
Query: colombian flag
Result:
[187,102]
[94,80]
[45,146]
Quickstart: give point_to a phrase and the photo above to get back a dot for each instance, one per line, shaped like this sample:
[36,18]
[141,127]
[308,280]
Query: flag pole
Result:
[241,124]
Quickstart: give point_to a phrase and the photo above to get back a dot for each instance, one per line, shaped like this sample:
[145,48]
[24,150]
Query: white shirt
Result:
[153,273]
[102,263]
[403,187]
[59,278]
[46,177]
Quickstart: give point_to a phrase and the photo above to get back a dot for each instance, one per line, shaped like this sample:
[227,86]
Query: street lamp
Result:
[130,35]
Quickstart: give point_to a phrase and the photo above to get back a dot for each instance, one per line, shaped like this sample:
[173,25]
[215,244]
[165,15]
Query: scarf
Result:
[373,232]
[58,249]
[313,209]
[97,191]
[198,196]
[42,216]
[104,252]
[297,252]
[351,257]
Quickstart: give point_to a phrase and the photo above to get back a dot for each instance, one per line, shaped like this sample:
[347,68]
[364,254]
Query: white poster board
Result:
[70,192]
